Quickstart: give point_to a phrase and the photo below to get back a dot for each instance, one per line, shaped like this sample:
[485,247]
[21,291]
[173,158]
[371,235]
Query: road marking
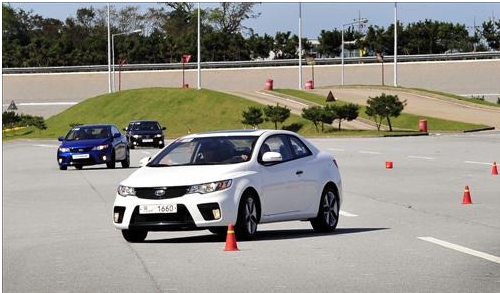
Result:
[369,152]
[347,214]
[481,163]
[46,145]
[462,249]
[420,157]
[44,104]
[336,150]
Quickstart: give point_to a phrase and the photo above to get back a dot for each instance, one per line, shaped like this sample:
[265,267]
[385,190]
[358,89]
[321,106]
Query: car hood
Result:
[183,175]
[83,143]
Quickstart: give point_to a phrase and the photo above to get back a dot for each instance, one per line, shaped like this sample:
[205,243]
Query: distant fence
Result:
[263,63]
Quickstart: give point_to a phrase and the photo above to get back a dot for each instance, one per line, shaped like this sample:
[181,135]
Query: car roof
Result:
[238,132]
[93,125]
[140,121]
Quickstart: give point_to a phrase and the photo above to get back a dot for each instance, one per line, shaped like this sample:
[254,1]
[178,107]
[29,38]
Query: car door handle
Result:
[299,172]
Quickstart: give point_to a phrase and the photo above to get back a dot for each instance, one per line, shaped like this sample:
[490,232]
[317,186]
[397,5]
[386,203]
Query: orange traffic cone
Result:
[494,170]
[466,199]
[231,239]
[388,165]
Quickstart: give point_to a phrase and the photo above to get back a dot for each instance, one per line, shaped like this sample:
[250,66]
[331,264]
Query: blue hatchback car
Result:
[91,145]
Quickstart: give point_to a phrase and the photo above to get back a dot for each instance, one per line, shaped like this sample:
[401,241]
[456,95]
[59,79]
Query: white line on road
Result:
[347,214]
[336,150]
[420,157]
[46,145]
[44,104]
[369,152]
[481,163]
[462,249]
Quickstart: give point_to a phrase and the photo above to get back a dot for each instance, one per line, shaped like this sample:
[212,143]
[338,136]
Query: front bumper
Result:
[147,140]
[194,211]
[92,157]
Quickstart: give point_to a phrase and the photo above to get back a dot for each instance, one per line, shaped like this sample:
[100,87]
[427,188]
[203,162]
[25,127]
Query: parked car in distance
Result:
[238,177]
[91,145]
[145,133]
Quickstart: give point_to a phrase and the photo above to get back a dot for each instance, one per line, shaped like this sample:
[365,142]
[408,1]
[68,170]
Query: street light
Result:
[113,50]
[359,21]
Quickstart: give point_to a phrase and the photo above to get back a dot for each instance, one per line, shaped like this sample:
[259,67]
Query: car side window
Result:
[299,149]
[278,144]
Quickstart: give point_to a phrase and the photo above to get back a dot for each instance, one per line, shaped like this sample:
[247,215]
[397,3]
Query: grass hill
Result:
[184,110]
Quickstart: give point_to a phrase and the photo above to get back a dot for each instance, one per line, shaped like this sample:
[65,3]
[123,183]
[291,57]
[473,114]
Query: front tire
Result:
[328,212]
[126,161]
[218,230]
[134,236]
[111,164]
[248,218]
[63,167]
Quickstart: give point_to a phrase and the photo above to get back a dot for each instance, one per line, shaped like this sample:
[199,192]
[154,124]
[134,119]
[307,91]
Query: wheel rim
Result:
[250,216]
[330,209]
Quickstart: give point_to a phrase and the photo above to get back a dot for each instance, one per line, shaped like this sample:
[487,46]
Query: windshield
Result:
[95,132]
[206,151]
[146,125]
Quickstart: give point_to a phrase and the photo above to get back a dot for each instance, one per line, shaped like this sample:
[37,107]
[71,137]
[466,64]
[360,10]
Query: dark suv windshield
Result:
[206,151]
[145,126]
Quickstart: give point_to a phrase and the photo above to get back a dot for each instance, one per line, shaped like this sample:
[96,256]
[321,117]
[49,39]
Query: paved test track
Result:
[58,235]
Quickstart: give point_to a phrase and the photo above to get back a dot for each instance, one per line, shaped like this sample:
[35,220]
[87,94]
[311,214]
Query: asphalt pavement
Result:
[403,229]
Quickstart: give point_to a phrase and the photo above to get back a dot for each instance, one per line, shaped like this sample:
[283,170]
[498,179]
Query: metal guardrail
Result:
[261,63]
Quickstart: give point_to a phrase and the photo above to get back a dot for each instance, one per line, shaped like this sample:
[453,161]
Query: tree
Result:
[229,17]
[253,116]
[313,114]
[346,112]
[491,32]
[330,43]
[384,106]
[276,114]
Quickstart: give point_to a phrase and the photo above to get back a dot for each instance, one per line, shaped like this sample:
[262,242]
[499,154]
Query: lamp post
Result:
[113,51]
[359,21]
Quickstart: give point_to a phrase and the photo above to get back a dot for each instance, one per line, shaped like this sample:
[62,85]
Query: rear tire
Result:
[248,218]
[134,236]
[78,167]
[328,212]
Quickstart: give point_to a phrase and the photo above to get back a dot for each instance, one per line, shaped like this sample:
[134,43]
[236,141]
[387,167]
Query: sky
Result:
[281,16]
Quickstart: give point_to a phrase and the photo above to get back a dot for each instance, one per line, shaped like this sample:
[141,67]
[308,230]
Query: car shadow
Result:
[97,168]
[267,235]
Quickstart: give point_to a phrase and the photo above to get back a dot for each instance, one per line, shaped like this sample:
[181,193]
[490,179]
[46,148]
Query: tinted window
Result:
[95,132]
[206,151]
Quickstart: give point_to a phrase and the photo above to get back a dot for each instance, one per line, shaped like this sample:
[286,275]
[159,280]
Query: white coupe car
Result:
[240,177]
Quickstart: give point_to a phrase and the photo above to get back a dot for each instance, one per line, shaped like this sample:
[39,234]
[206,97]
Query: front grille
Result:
[81,150]
[161,192]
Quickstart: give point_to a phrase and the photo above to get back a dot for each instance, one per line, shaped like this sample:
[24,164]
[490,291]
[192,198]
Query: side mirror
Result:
[144,161]
[124,128]
[163,128]
[60,138]
[272,157]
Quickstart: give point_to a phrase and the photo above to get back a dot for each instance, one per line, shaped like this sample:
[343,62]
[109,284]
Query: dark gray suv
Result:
[145,133]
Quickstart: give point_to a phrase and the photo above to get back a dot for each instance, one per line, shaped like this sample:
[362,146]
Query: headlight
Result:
[63,150]
[125,190]
[210,187]
[158,135]
[135,136]
[101,147]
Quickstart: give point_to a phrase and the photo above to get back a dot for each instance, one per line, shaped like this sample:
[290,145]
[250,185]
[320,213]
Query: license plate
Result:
[81,156]
[147,140]
[158,209]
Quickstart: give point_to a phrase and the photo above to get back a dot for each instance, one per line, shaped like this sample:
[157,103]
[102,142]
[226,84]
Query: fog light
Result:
[216,214]
[104,158]
[116,217]
[60,160]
